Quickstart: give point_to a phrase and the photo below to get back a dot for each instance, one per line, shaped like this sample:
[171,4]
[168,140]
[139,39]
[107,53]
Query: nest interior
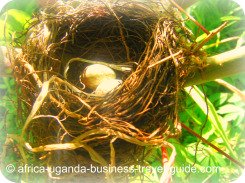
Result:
[61,116]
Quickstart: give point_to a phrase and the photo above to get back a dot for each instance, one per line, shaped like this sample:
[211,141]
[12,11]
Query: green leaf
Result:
[238,117]
[219,159]
[207,131]
[13,23]
[219,98]
[241,40]
[234,99]
[27,6]
[230,108]
[230,18]
[3,86]
[213,117]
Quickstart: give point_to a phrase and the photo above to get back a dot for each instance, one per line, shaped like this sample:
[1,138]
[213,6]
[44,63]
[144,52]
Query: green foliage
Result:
[225,133]
[27,6]
[211,14]
[213,118]
[14,19]
[7,106]
[224,125]
[14,23]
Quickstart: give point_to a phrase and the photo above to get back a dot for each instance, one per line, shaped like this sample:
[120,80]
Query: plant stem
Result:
[212,145]
[189,16]
[219,66]
[231,88]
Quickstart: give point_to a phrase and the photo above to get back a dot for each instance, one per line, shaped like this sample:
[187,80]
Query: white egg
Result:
[94,74]
[107,86]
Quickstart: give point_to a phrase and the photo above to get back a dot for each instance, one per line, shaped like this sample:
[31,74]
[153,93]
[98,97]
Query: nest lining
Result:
[143,111]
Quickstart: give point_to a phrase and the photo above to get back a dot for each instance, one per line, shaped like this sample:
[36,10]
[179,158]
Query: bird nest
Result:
[67,123]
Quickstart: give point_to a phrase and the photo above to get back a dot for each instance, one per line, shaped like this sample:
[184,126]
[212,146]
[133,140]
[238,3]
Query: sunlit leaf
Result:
[234,99]
[28,6]
[241,40]
[219,98]
[230,108]
[13,23]
[238,117]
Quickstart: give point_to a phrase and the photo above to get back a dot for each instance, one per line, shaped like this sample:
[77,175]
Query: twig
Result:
[120,26]
[190,17]
[165,59]
[212,145]
[31,71]
[209,37]
[235,38]
[231,87]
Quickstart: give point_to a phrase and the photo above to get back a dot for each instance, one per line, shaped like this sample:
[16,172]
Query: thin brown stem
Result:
[231,88]
[212,145]
[165,59]
[190,17]
[209,37]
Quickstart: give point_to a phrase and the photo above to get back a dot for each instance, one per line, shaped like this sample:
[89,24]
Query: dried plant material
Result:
[149,49]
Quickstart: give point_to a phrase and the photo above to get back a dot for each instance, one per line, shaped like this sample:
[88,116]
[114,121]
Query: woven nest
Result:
[65,118]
